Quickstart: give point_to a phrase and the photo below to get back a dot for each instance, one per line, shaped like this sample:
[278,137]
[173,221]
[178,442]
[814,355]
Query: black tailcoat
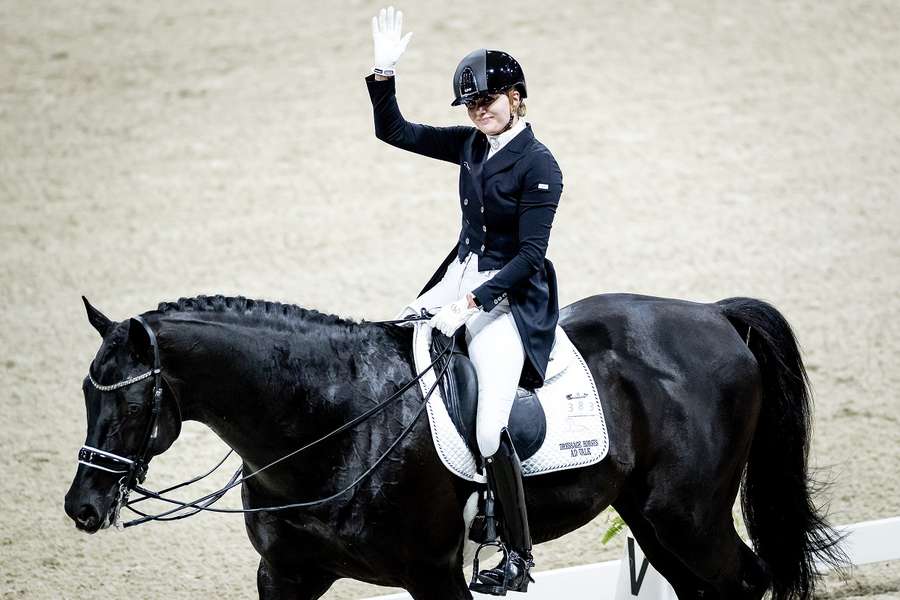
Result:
[508,204]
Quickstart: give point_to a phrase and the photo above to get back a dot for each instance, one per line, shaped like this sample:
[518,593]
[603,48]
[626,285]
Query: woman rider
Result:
[496,281]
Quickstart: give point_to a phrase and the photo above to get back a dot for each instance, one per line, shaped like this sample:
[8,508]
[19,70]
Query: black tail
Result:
[785,525]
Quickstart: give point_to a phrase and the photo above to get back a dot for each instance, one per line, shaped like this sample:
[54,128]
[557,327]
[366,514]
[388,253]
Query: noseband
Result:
[133,469]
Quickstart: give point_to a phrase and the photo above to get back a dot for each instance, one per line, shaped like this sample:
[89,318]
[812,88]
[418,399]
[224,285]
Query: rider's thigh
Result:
[497,354]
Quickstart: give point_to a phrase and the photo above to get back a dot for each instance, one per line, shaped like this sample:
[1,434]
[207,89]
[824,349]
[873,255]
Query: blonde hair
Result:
[521,109]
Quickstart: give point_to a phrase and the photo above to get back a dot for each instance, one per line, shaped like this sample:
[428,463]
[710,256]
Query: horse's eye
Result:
[134,409]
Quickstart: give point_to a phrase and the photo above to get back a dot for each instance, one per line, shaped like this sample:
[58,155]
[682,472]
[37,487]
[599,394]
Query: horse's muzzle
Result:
[86,518]
[88,510]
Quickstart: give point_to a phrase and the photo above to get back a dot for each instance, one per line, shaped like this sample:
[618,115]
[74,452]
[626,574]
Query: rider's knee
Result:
[488,440]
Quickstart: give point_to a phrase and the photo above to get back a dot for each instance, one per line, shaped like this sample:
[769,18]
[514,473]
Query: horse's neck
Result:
[264,391]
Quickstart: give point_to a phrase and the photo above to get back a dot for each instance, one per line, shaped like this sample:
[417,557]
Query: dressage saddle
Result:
[459,387]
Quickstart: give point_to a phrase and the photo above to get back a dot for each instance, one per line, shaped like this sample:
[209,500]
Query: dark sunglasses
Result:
[483,100]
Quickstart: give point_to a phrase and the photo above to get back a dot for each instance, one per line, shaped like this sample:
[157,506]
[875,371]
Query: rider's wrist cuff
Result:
[384,71]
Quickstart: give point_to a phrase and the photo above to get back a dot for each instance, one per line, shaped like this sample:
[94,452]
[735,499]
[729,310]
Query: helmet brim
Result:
[475,95]
[464,99]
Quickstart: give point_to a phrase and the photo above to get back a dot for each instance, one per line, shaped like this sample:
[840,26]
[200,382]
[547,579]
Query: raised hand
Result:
[389,46]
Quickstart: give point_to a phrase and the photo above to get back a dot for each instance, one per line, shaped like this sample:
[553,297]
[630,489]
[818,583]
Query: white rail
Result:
[868,542]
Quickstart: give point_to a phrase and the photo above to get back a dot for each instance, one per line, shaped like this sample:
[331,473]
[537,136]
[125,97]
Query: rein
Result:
[134,469]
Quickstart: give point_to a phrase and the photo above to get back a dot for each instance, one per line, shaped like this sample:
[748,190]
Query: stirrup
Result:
[483,588]
[488,585]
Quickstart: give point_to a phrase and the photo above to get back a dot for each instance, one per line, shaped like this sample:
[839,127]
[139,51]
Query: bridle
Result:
[134,469]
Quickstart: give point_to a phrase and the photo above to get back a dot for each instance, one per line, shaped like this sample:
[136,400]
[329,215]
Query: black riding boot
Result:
[504,475]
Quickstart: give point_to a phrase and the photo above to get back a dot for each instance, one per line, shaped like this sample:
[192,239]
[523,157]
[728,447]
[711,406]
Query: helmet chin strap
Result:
[510,122]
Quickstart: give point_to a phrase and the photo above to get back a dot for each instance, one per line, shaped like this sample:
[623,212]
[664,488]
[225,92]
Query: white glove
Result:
[452,316]
[386,28]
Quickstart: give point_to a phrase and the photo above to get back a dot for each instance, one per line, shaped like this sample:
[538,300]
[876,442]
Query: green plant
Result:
[616,525]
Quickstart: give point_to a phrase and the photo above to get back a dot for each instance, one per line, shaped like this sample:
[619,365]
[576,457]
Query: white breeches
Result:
[495,347]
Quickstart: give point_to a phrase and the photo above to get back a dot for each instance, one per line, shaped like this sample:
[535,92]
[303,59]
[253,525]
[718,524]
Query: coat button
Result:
[467,241]
[484,228]
[482,209]
[465,202]
[482,247]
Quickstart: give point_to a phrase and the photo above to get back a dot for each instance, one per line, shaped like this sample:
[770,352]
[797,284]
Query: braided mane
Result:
[241,306]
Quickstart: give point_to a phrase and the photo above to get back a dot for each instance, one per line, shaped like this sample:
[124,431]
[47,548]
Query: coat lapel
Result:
[508,154]
[480,169]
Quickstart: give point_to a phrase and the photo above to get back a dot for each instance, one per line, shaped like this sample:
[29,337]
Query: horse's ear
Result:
[100,322]
[139,340]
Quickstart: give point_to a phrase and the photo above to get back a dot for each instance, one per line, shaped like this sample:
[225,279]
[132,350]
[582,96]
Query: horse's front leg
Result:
[273,585]
[283,573]
[438,583]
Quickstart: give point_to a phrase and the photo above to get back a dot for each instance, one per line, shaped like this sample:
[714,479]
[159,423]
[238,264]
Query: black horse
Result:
[698,398]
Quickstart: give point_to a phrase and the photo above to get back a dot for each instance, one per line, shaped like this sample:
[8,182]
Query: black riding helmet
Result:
[486,72]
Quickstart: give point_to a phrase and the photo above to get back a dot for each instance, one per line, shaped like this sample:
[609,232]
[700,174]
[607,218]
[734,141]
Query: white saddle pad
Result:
[576,430]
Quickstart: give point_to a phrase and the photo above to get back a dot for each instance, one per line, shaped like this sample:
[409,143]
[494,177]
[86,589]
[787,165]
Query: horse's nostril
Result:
[87,518]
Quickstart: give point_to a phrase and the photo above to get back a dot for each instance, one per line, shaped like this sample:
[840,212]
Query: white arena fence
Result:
[633,577]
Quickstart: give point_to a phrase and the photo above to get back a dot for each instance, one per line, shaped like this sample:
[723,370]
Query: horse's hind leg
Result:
[686,585]
[273,586]
[710,548]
